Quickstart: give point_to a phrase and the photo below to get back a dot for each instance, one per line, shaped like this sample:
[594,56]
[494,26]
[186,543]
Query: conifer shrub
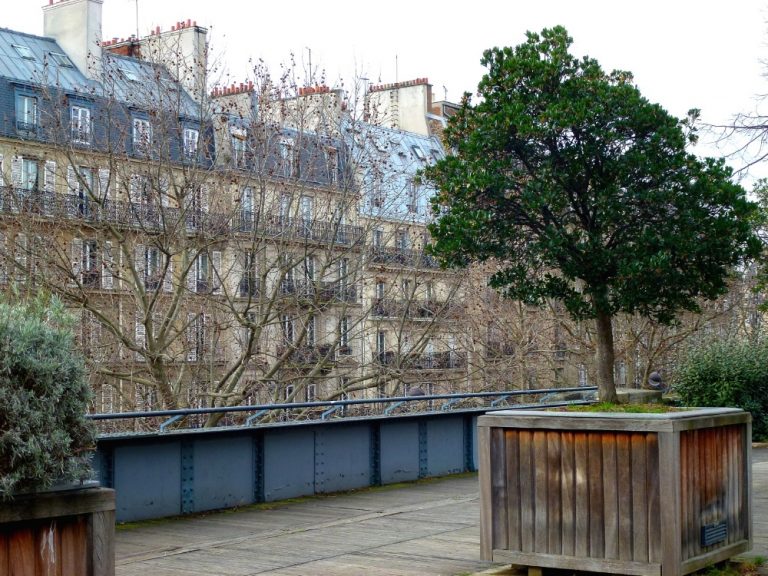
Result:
[44,435]
[731,372]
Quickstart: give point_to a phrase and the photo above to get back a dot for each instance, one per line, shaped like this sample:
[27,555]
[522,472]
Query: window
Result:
[309,269]
[203,276]
[287,326]
[196,337]
[310,338]
[81,186]
[289,392]
[24,51]
[80,125]
[238,148]
[413,197]
[344,335]
[378,197]
[306,206]
[311,392]
[202,273]
[152,268]
[380,290]
[29,175]
[378,238]
[142,136]
[402,240]
[91,264]
[332,156]
[285,208]
[61,60]
[246,208]
[419,153]
[381,345]
[249,283]
[287,156]
[190,138]
[26,113]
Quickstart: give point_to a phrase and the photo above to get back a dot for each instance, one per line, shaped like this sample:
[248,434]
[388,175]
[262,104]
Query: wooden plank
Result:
[499,490]
[610,497]
[484,478]
[568,491]
[669,489]
[101,539]
[715,556]
[639,498]
[581,467]
[624,492]
[654,503]
[540,536]
[527,503]
[22,553]
[554,494]
[513,489]
[686,493]
[596,510]
[48,544]
[54,504]
[731,478]
[746,442]
[4,561]
[74,551]
[599,565]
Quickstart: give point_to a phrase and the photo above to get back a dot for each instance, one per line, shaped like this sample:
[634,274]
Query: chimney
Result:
[76,26]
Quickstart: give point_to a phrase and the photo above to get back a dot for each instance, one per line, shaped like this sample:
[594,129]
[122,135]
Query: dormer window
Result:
[61,60]
[190,139]
[419,153]
[142,136]
[287,156]
[238,147]
[80,124]
[24,51]
[26,113]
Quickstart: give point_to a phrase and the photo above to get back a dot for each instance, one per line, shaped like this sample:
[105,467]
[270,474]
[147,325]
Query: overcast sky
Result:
[683,53]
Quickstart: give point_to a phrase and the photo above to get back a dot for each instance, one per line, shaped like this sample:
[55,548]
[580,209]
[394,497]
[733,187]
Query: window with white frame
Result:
[332,155]
[91,264]
[80,124]
[196,337]
[311,392]
[287,327]
[26,113]
[378,238]
[413,197]
[310,337]
[153,265]
[190,139]
[344,335]
[142,136]
[287,157]
[30,175]
[238,148]
[246,207]
[249,283]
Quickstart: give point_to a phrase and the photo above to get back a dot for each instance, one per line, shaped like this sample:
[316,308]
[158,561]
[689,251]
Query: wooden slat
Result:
[101,537]
[74,551]
[526,490]
[654,506]
[624,481]
[4,561]
[499,490]
[669,489]
[596,510]
[639,498]
[731,476]
[554,494]
[513,489]
[610,497]
[22,553]
[746,443]
[541,535]
[484,478]
[581,467]
[568,491]
[48,545]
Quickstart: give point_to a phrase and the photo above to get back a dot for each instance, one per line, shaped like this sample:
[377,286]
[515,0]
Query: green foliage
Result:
[582,190]
[727,373]
[44,436]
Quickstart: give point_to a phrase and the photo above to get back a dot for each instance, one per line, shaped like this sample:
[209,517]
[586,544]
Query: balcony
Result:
[305,355]
[413,309]
[319,291]
[434,361]
[297,229]
[403,257]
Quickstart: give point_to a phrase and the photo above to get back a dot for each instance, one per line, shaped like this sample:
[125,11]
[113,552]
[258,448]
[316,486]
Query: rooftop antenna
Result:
[137,19]
[396,78]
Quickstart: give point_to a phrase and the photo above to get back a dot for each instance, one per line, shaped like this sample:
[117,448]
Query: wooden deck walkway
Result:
[428,528]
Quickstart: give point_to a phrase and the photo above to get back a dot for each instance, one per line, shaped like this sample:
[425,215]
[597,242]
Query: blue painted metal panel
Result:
[289,463]
[399,451]
[342,458]
[147,479]
[223,474]
[445,446]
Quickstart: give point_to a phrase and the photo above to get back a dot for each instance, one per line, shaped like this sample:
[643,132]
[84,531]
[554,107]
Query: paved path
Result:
[429,528]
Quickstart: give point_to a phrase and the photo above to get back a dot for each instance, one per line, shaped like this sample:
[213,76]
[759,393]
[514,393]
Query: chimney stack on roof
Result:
[76,27]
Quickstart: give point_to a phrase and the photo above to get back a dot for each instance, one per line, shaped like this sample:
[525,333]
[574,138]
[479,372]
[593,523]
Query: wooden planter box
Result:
[69,533]
[645,494]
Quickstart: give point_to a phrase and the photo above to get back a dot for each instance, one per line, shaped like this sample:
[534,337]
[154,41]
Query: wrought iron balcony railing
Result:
[403,257]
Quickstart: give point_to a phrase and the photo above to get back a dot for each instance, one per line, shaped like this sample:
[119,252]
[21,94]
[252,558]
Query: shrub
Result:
[727,373]
[44,435]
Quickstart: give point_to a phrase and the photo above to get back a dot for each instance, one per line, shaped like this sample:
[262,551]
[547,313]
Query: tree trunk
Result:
[606,387]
